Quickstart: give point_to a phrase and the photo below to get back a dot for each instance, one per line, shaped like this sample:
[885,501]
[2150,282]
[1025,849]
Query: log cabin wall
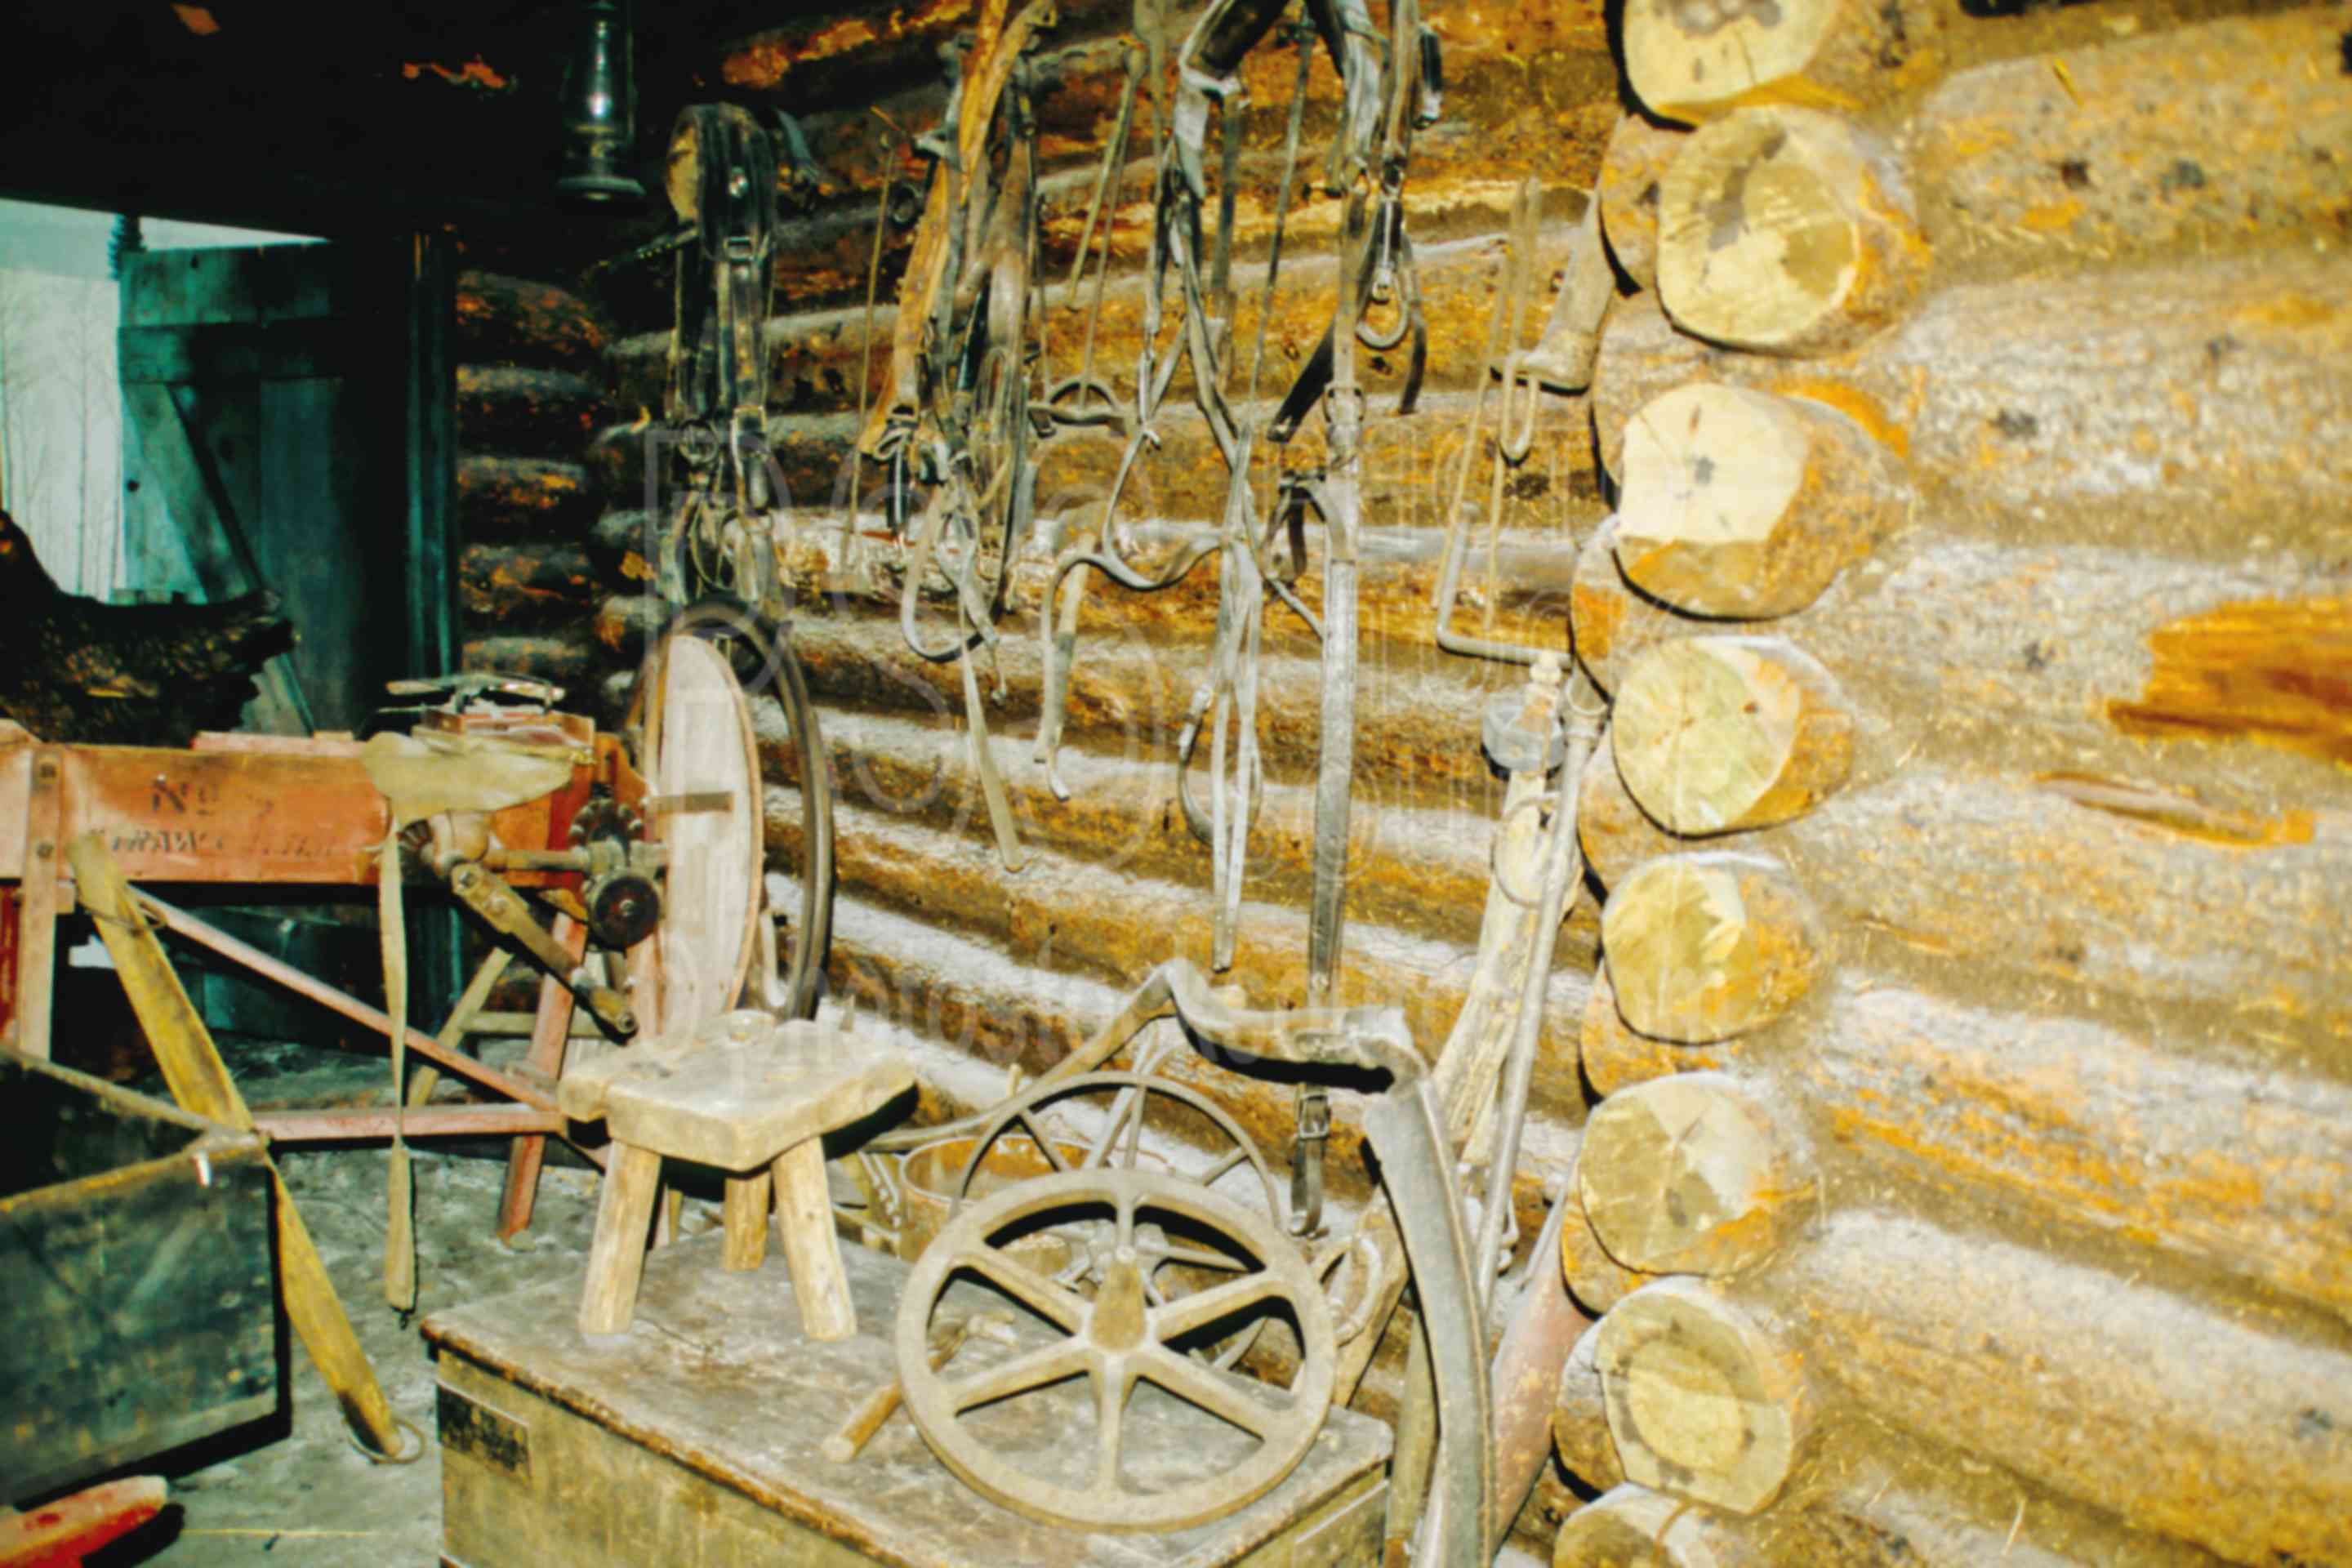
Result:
[1958,521]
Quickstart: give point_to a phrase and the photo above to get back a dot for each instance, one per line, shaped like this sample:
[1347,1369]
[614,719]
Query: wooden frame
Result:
[259,810]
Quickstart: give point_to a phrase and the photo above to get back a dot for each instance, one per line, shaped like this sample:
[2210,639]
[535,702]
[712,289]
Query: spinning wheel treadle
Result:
[1118,1342]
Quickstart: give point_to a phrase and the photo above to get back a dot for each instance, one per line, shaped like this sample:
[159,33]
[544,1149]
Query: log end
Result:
[1781,230]
[1701,1401]
[1738,503]
[1696,59]
[1716,735]
[1687,1174]
[1633,1527]
[1701,948]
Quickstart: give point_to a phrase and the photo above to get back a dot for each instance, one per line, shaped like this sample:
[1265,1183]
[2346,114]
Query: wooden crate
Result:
[694,1440]
[137,1297]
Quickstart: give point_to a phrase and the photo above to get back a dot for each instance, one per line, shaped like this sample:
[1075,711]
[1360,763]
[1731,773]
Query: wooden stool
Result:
[753,1097]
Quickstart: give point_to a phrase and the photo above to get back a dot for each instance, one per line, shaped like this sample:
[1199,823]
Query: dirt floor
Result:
[293,1492]
[305,1497]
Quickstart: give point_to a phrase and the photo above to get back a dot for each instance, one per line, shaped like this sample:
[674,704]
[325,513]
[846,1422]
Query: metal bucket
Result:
[927,1186]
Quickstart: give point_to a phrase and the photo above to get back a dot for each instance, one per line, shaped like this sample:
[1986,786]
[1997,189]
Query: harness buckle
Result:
[1314,1109]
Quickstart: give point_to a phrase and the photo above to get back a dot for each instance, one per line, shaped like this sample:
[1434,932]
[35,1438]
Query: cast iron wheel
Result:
[1117,1342]
[1118,1145]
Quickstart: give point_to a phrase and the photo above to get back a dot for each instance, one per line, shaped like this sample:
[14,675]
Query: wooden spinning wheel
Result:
[702,760]
[704,771]
[1119,1343]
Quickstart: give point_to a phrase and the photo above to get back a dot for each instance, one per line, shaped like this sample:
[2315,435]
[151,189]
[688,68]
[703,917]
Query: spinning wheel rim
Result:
[1113,1362]
[701,742]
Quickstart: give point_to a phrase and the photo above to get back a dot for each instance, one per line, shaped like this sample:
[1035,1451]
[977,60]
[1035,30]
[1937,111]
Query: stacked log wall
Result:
[2003,796]
[532,393]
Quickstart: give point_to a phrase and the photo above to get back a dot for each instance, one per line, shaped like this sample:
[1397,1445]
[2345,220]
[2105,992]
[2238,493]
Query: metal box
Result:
[695,1437]
[137,1303]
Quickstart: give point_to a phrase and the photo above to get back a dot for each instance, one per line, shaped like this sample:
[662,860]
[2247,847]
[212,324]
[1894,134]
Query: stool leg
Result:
[616,1258]
[747,1220]
[805,1213]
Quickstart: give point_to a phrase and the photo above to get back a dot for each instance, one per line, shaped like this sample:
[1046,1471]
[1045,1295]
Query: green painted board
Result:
[138,1302]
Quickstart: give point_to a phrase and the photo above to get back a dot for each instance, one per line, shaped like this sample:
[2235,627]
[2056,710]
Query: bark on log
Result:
[535,412]
[1615,833]
[1597,1280]
[1415,730]
[1788,232]
[1580,1417]
[509,500]
[1690,1174]
[1528,91]
[1632,177]
[1550,500]
[1704,947]
[1608,621]
[513,322]
[1715,734]
[1922,1510]
[519,587]
[2138,147]
[1116,927]
[1633,1527]
[2223,1430]
[622,545]
[1412,867]
[816,358]
[1738,503]
[571,660]
[1705,1400]
[2062,411]
[2104,897]
[2225,1164]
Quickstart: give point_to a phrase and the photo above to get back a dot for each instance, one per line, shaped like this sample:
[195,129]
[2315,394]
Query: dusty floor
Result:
[302,1495]
[307,1499]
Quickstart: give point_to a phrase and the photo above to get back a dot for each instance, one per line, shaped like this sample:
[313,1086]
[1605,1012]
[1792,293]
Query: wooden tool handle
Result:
[867,1418]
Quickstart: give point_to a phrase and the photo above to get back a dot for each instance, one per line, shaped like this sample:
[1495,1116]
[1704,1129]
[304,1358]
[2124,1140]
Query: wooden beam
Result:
[419,1122]
[200,1081]
[181,923]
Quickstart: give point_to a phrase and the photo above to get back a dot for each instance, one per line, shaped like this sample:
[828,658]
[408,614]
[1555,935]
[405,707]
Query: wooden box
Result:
[138,1304]
[694,1440]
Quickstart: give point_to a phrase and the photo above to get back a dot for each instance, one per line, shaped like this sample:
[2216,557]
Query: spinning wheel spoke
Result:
[1061,1306]
[1127,1117]
[1195,1257]
[1044,1145]
[1036,1369]
[1222,1168]
[1187,1313]
[1222,1394]
[1111,1389]
[1123,1107]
